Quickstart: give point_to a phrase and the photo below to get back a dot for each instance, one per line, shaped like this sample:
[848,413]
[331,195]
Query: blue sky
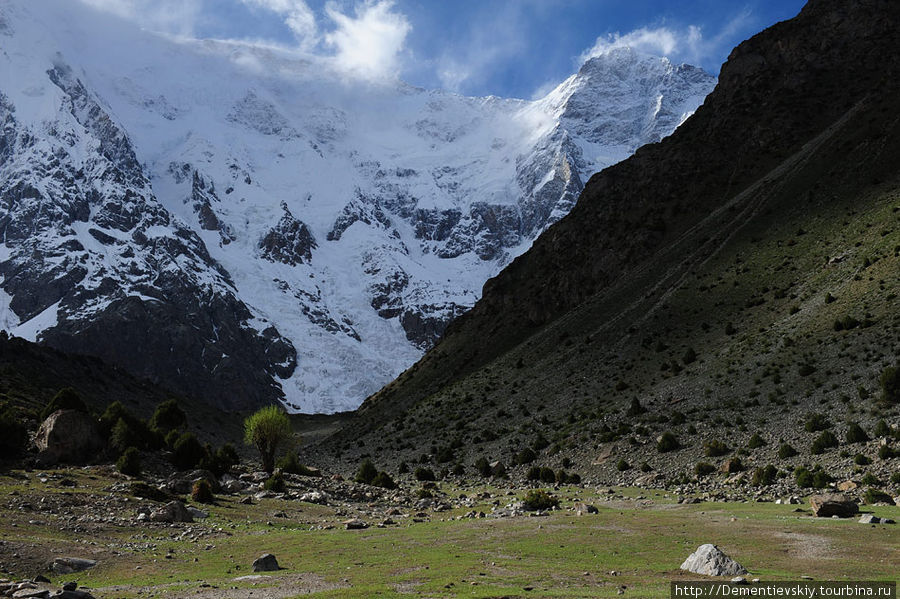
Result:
[517,48]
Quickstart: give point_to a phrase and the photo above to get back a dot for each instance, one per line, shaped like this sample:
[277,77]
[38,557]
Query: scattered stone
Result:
[266,563]
[230,484]
[70,586]
[40,578]
[70,565]
[174,511]
[181,483]
[31,593]
[73,595]
[316,497]
[712,561]
[355,524]
[197,513]
[246,500]
[738,580]
[584,508]
[847,485]
[833,504]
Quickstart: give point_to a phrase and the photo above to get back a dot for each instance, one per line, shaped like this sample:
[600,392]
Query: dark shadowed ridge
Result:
[641,225]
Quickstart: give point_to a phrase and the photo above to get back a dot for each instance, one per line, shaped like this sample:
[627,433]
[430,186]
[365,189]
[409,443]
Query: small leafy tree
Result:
[267,429]
[187,452]
[890,386]
[366,473]
[667,442]
[130,462]
[13,433]
[855,434]
[168,417]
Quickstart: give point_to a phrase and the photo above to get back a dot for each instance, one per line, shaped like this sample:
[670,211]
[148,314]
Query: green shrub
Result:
[483,467]
[65,399]
[825,440]
[806,369]
[876,496]
[136,432]
[526,456]
[882,429]
[564,478]
[187,451]
[816,478]
[224,459]
[635,409]
[816,422]
[538,499]
[458,470]
[168,417]
[890,386]
[678,418]
[870,479]
[895,478]
[855,434]
[384,480]
[861,460]
[763,477]
[367,472]
[689,356]
[715,448]
[786,451]
[622,465]
[13,432]
[275,483]
[403,468]
[734,465]
[423,474]
[129,462]
[534,473]
[202,492]
[756,441]
[267,429]
[645,467]
[667,442]
[499,471]
[704,468]
[444,455]
[886,452]
[424,493]
[145,491]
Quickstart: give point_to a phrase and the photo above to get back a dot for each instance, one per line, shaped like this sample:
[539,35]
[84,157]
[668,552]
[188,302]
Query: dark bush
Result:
[564,478]
[121,437]
[538,499]
[715,448]
[423,474]
[689,356]
[168,417]
[890,386]
[704,468]
[734,465]
[547,475]
[861,460]
[526,456]
[483,467]
[882,429]
[534,473]
[645,467]
[384,480]
[635,409]
[824,441]
[202,492]
[129,462]
[622,465]
[403,468]
[763,477]
[786,451]
[816,422]
[225,458]
[458,470]
[667,442]
[444,455]
[855,434]
[187,452]
[756,441]
[275,483]
[13,432]
[875,496]
[145,491]
[886,452]
[817,479]
[367,472]
[65,399]
[870,479]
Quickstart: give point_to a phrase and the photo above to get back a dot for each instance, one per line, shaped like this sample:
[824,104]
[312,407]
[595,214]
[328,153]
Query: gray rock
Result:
[174,511]
[35,593]
[869,519]
[833,504]
[712,561]
[197,513]
[230,484]
[355,524]
[68,565]
[73,594]
[68,436]
[266,563]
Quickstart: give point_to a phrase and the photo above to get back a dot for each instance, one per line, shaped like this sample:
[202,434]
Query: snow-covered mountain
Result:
[242,223]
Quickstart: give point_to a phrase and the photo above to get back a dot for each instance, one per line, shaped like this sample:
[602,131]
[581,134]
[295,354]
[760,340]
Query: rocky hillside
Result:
[726,281]
[260,226]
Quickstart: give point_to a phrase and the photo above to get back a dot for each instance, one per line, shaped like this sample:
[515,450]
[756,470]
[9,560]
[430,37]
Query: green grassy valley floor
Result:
[636,543]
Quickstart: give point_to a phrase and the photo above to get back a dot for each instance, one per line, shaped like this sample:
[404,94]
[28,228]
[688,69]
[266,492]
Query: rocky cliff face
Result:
[243,225]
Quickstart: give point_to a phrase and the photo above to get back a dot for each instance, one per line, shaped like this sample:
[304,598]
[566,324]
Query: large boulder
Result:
[181,483]
[68,436]
[174,511]
[70,565]
[709,560]
[833,504]
[266,563]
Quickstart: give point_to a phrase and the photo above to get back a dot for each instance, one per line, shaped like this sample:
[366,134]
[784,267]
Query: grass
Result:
[560,555]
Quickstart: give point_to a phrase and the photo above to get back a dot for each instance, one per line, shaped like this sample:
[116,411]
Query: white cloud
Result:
[369,43]
[297,16]
[178,17]
[686,44]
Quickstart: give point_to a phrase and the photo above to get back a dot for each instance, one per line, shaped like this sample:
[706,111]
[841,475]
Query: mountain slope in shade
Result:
[261,227]
[745,265]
